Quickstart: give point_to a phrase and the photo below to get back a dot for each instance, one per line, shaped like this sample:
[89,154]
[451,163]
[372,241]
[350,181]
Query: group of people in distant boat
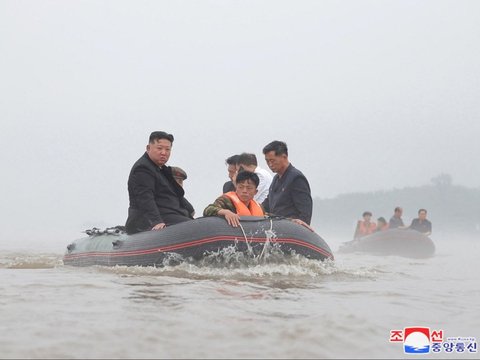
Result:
[367,226]
[157,198]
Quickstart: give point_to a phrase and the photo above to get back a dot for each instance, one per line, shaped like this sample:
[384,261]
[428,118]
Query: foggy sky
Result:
[368,95]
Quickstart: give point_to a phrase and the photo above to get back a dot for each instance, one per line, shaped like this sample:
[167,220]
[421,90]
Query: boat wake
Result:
[30,261]
[231,264]
[269,264]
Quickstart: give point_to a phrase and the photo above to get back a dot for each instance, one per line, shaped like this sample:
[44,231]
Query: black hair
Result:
[279,147]
[232,160]
[158,135]
[382,219]
[247,159]
[248,175]
[398,208]
[419,211]
[367,213]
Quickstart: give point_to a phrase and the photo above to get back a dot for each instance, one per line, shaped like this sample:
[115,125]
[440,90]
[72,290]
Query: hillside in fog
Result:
[450,207]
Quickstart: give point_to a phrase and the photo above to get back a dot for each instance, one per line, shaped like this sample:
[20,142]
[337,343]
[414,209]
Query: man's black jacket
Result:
[289,196]
[155,197]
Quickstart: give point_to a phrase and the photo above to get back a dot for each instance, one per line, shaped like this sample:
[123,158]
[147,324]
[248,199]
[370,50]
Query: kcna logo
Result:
[416,340]
[422,340]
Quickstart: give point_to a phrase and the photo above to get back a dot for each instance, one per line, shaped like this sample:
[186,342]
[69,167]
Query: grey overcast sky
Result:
[369,95]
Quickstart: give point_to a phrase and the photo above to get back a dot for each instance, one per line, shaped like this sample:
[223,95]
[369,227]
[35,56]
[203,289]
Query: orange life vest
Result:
[364,229]
[253,209]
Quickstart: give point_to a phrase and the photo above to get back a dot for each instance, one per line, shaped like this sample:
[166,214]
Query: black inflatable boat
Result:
[195,239]
[401,242]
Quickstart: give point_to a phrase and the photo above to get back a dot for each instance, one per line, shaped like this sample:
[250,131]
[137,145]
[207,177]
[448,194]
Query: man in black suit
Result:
[156,199]
[421,223]
[232,168]
[289,194]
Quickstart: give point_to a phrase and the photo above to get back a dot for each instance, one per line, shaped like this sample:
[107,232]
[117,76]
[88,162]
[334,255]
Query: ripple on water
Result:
[30,261]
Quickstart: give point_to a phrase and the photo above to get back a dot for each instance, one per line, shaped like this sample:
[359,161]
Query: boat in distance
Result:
[401,242]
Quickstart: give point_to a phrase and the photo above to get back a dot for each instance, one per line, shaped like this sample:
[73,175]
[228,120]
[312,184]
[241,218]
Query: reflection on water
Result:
[144,292]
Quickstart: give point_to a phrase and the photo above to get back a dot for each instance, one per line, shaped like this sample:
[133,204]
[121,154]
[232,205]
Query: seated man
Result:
[382,224]
[232,168]
[396,221]
[365,226]
[156,199]
[421,224]
[237,203]
[180,176]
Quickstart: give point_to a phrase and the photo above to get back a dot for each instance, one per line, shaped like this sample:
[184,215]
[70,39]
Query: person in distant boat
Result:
[289,194]
[232,168]
[180,176]
[421,224]
[240,202]
[249,163]
[396,221]
[382,224]
[365,226]
[156,199]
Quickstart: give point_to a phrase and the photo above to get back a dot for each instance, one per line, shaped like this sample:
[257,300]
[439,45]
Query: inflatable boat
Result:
[401,242]
[194,240]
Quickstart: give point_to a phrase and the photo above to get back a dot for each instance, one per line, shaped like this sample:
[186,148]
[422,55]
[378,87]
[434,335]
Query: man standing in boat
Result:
[156,199]
[289,193]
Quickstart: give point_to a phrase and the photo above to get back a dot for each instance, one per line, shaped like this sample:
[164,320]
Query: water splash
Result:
[228,264]
[270,262]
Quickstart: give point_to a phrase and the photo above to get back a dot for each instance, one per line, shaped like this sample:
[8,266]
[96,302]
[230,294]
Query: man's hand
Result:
[232,218]
[303,223]
[159,226]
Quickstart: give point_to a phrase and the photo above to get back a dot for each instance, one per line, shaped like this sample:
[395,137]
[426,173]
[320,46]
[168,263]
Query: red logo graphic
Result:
[423,330]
